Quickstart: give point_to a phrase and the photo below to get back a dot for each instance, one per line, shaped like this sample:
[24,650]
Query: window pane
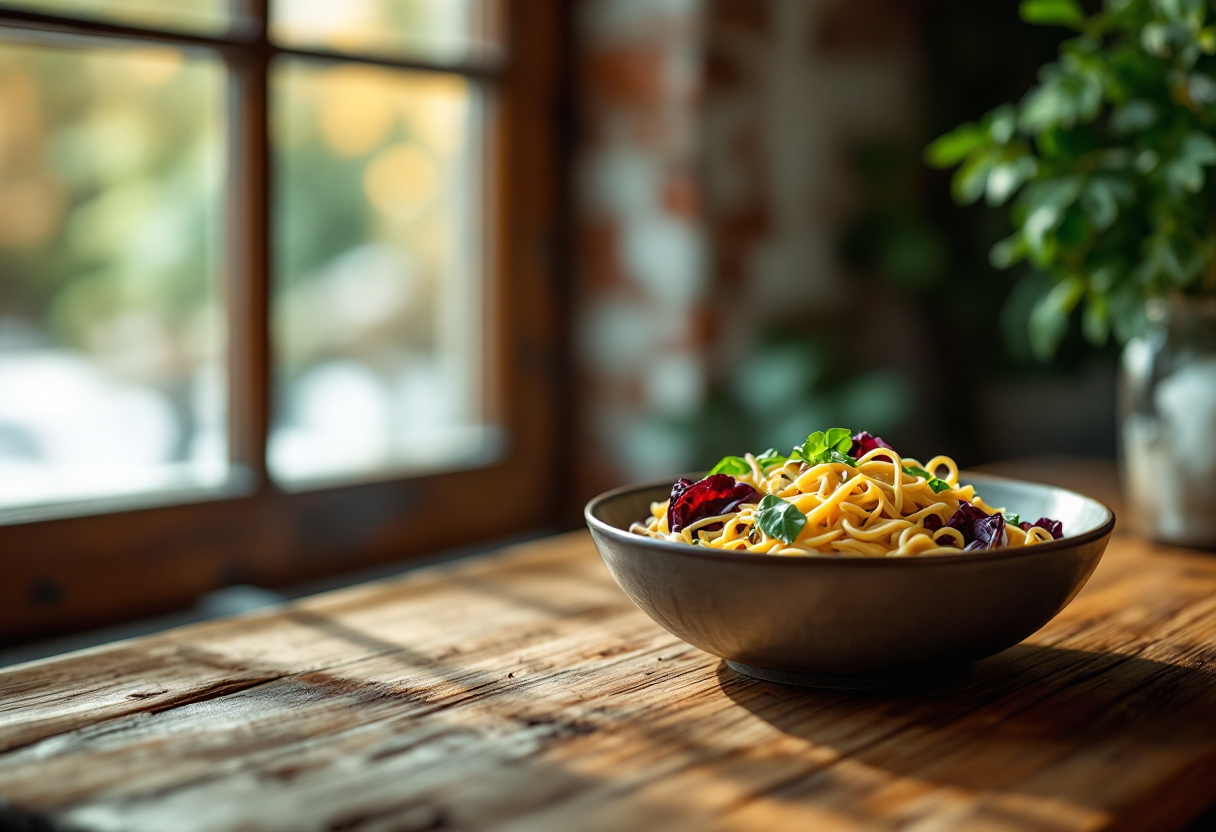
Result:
[378,285]
[112,378]
[439,30]
[201,16]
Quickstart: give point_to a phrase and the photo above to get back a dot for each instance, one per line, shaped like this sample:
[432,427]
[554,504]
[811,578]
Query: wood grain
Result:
[524,692]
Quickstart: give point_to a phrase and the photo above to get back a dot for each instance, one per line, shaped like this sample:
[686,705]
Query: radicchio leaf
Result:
[964,520]
[678,488]
[865,442]
[718,494]
[1054,526]
[932,523]
[989,533]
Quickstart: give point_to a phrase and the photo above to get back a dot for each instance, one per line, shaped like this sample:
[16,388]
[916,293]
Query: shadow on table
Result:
[1076,727]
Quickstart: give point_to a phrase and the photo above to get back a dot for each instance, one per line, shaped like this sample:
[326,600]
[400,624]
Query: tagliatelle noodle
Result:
[875,509]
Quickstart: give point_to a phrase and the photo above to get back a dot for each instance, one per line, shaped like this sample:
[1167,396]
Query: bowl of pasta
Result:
[845,564]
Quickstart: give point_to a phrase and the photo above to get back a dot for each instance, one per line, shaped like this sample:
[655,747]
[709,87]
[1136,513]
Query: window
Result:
[112,341]
[275,291]
[378,272]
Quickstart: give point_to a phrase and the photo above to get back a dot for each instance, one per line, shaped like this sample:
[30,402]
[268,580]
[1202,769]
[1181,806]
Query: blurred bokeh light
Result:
[379,284]
[198,16]
[438,30]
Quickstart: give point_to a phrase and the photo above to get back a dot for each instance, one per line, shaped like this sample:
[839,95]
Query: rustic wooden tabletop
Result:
[523,691]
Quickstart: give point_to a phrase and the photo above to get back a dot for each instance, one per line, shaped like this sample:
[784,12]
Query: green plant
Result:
[1105,161]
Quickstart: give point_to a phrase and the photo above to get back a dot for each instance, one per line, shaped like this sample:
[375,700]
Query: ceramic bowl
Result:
[854,622]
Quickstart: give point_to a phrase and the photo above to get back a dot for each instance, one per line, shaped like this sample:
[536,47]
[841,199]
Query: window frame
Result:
[113,560]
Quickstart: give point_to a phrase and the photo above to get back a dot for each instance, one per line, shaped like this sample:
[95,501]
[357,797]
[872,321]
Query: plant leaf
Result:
[1133,116]
[1007,252]
[971,179]
[1045,203]
[780,518]
[1155,38]
[1127,316]
[948,150]
[1099,203]
[844,459]
[1052,13]
[1006,177]
[1207,40]
[840,439]
[770,458]
[938,485]
[734,465]
[1095,321]
[1049,318]
[815,446]
[1002,123]
[1200,148]
[1184,173]
[831,446]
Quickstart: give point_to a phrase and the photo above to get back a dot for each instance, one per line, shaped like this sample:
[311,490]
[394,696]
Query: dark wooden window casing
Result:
[65,573]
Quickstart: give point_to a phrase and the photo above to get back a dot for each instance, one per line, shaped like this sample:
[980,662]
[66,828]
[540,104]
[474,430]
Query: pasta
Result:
[821,500]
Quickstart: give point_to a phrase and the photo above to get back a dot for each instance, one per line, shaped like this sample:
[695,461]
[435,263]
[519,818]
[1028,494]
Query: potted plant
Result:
[1107,166]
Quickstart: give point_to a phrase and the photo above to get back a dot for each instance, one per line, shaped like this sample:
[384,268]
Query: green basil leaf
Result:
[839,438]
[1013,518]
[780,518]
[733,465]
[814,446]
[844,459]
[819,446]
[938,485]
[770,458]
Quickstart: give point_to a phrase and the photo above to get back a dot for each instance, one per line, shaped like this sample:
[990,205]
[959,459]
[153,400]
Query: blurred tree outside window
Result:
[378,302]
[112,333]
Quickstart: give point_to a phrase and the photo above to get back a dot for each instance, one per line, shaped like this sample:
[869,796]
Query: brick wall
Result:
[712,188]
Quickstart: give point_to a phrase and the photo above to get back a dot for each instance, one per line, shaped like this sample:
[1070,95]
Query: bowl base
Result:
[840,681]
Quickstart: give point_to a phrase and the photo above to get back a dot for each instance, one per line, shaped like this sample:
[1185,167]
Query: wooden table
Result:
[524,692]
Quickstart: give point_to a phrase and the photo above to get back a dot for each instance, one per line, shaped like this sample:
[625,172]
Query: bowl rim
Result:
[1004,553]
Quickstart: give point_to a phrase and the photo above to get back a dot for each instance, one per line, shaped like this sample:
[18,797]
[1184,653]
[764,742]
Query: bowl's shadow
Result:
[1090,730]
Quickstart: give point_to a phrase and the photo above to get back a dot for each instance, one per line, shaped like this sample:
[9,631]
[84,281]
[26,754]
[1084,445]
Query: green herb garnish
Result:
[821,447]
[733,465]
[1013,518]
[780,518]
[770,458]
[936,484]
